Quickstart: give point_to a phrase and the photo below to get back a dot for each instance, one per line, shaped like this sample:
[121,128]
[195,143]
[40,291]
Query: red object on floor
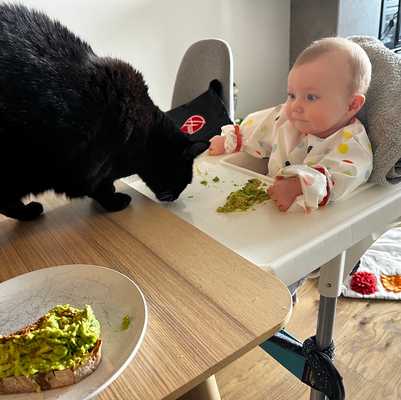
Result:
[364,282]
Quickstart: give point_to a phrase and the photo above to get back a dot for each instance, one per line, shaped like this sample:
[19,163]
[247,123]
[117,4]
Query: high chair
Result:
[289,245]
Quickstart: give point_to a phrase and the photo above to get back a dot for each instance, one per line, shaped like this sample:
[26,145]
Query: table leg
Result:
[207,390]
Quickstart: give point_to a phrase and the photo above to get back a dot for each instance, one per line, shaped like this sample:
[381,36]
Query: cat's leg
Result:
[109,199]
[23,212]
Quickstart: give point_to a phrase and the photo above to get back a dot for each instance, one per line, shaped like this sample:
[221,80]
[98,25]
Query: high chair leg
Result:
[312,361]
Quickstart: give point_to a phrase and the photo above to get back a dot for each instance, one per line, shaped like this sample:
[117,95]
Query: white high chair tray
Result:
[290,244]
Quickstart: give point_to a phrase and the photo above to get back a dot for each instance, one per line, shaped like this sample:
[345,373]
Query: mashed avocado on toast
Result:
[64,338]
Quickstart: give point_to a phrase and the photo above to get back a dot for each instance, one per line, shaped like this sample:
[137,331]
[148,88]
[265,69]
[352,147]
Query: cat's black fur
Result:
[74,122]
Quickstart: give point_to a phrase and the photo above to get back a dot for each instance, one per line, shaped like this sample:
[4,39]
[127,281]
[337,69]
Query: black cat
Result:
[74,122]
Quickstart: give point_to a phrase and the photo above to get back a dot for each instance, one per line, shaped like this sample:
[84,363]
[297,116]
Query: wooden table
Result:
[207,305]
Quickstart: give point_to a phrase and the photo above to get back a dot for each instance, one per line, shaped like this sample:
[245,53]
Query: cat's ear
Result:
[195,149]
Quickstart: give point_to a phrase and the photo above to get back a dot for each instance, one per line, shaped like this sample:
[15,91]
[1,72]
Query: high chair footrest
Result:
[320,372]
[312,366]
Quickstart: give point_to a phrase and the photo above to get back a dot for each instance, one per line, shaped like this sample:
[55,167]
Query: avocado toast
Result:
[59,349]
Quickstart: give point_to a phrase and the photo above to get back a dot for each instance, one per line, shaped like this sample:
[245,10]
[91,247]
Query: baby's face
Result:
[318,100]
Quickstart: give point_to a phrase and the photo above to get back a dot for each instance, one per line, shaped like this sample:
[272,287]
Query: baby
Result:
[318,150]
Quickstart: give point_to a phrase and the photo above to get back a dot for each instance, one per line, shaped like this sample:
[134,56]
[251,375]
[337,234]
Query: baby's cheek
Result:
[287,110]
[319,121]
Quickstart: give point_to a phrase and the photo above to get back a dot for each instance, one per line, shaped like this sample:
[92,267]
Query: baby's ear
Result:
[195,149]
[357,103]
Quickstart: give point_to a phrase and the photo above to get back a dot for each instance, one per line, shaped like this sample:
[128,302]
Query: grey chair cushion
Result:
[382,111]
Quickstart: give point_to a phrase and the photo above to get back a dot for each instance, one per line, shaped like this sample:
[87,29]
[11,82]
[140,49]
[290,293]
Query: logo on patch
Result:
[193,124]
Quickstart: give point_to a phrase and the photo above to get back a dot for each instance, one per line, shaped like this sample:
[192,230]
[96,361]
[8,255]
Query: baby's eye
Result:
[291,96]
[311,97]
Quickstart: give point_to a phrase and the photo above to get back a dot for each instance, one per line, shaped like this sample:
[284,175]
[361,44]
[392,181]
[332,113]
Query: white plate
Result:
[111,294]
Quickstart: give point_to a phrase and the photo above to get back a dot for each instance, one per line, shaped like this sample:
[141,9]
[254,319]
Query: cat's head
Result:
[168,166]
[143,139]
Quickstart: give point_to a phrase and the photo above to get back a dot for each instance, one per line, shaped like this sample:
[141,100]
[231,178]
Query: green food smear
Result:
[253,192]
[125,323]
[216,179]
[204,183]
[62,339]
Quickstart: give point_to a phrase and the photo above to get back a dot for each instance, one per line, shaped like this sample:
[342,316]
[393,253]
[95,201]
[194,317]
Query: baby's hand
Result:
[217,145]
[284,191]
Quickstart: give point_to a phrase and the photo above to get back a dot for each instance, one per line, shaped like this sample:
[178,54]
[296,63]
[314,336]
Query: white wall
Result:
[153,36]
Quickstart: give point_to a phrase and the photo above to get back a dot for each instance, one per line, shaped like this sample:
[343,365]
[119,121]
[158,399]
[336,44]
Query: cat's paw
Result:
[115,201]
[29,212]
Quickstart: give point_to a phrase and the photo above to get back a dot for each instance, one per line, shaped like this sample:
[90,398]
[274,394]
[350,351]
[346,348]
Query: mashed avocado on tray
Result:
[241,200]
[61,339]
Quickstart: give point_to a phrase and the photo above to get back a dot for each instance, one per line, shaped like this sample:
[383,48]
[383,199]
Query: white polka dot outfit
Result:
[328,168]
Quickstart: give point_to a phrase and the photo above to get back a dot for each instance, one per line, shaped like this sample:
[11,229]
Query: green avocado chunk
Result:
[62,339]
[125,323]
[251,193]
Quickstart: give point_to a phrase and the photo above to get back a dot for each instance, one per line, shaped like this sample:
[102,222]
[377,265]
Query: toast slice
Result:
[60,349]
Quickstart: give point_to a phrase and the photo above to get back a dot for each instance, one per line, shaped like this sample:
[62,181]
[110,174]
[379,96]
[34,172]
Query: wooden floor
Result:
[368,355]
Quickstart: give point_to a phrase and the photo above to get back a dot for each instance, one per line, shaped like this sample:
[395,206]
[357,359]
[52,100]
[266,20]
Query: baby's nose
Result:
[298,106]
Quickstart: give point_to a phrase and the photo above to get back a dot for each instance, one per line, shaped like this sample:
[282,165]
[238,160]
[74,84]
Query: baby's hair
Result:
[361,68]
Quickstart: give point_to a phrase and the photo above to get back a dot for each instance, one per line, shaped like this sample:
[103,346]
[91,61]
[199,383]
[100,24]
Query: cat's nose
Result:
[166,196]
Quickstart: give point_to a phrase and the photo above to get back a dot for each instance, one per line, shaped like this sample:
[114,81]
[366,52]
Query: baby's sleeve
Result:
[349,164]
[338,173]
[233,138]
[316,186]
[254,135]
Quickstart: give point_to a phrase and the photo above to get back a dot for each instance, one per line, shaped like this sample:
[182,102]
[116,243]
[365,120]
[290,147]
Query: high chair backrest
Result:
[203,62]
[382,110]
